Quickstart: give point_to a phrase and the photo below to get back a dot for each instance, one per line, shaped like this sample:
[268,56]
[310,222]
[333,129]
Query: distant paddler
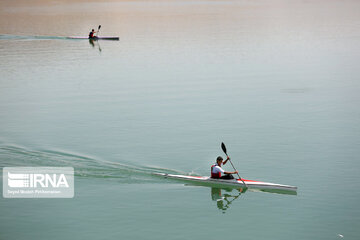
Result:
[92,33]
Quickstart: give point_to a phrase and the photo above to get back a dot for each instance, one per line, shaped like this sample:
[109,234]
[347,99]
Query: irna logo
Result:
[16,180]
[38,182]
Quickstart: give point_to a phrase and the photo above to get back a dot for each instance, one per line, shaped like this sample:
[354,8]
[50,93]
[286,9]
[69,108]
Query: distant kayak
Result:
[233,183]
[96,38]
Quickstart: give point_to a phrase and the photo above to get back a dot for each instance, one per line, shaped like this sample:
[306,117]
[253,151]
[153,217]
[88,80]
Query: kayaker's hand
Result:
[236,172]
[228,158]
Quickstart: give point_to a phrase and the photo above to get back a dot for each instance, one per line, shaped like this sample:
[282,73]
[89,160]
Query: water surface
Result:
[277,81]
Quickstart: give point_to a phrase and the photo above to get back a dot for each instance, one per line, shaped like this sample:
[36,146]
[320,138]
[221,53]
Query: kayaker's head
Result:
[93,30]
[219,160]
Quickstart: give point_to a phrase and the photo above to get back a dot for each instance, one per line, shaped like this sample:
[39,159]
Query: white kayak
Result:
[96,38]
[233,183]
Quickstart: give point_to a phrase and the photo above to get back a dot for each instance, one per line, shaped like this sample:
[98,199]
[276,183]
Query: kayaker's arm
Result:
[227,159]
[231,172]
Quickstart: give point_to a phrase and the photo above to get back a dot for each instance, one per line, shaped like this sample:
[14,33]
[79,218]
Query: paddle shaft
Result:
[224,149]
[97,34]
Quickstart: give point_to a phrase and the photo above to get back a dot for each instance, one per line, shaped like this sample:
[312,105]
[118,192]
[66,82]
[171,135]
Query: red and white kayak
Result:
[233,183]
[96,38]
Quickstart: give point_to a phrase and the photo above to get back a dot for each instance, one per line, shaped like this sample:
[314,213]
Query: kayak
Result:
[96,38]
[232,183]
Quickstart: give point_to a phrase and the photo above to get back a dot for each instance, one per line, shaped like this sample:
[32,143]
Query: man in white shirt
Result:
[216,170]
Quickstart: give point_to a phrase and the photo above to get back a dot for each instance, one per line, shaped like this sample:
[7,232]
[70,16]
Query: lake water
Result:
[277,81]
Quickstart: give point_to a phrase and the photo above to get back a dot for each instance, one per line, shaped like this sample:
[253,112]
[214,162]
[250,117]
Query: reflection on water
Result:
[224,199]
[224,196]
[94,42]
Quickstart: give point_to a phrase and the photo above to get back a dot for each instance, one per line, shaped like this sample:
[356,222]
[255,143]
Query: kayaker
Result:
[216,169]
[91,34]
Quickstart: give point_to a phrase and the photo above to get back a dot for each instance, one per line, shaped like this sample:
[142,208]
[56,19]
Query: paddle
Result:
[224,149]
[98,30]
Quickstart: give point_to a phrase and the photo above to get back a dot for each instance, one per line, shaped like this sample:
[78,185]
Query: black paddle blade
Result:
[99,27]
[223,147]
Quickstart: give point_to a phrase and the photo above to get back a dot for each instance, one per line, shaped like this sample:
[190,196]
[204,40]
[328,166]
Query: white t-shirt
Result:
[217,169]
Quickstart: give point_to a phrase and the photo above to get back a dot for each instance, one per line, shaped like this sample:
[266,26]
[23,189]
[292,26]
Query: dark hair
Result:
[93,30]
[219,158]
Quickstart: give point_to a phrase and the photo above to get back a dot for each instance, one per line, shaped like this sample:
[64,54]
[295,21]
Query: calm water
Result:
[277,81]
